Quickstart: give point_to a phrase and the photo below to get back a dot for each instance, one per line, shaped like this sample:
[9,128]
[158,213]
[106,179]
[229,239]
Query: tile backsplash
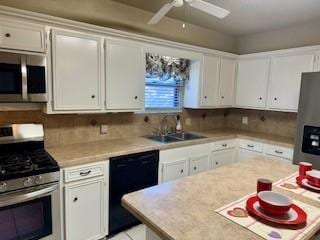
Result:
[69,129]
[268,122]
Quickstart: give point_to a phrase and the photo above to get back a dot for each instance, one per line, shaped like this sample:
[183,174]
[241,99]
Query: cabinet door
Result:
[76,71]
[286,79]
[124,75]
[84,207]
[21,36]
[244,154]
[223,157]
[226,82]
[174,170]
[199,164]
[252,83]
[210,78]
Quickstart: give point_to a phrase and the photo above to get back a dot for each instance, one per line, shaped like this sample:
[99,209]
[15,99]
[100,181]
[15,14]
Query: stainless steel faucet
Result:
[164,126]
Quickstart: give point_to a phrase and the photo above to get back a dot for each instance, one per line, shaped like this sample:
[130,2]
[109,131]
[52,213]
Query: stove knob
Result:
[27,182]
[3,186]
[38,179]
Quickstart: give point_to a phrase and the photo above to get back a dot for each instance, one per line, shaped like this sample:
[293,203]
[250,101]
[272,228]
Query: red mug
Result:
[304,167]
[264,185]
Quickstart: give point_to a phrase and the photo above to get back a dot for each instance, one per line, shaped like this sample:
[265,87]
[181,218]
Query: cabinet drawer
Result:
[226,144]
[21,36]
[251,145]
[281,152]
[83,172]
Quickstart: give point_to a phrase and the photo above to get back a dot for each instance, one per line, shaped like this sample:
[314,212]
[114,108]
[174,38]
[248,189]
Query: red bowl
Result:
[274,203]
[314,177]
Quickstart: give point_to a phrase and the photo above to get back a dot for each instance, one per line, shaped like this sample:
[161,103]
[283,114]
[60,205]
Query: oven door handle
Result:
[28,196]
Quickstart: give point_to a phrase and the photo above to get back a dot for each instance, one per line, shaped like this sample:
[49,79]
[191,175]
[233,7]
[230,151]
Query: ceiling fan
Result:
[198,4]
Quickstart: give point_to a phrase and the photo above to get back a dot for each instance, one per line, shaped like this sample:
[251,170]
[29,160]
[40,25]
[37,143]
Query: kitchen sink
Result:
[174,137]
[185,136]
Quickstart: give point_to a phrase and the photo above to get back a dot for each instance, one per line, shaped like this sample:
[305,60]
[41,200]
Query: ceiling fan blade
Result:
[209,8]
[161,13]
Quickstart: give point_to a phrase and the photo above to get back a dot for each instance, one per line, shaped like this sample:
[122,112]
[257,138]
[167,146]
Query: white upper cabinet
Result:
[125,66]
[76,69]
[252,82]
[22,36]
[286,78]
[226,82]
[210,80]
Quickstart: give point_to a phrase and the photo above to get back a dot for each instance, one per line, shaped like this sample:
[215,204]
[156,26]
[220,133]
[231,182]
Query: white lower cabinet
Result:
[223,157]
[199,164]
[244,154]
[174,169]
[85,206]
[181,162]
[282,153]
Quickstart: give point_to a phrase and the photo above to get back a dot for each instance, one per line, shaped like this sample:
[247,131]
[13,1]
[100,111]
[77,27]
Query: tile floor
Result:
[135,233]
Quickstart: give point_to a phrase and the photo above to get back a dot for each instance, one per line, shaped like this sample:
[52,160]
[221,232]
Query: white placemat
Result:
[236,212]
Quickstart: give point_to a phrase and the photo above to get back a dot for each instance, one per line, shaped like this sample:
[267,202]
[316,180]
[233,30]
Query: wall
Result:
[120,16]
[69,129]
[268,122]
[297,36]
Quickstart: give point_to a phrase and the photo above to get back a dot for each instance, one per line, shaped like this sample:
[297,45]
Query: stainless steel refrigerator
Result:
[307,145]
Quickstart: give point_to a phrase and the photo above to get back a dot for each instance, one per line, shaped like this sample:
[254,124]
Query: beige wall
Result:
[120,16]
[298,36]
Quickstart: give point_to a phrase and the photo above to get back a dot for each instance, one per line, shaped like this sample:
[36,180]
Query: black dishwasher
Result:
[128,174]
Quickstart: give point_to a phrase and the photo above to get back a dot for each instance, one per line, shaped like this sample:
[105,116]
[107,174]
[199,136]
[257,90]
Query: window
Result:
[164,81]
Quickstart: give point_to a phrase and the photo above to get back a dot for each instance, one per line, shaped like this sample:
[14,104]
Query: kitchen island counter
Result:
[185,209]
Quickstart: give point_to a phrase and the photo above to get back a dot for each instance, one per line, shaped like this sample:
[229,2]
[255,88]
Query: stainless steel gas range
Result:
[29,185]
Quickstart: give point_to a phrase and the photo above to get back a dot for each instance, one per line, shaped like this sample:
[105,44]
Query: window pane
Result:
[162,97]
[164,79]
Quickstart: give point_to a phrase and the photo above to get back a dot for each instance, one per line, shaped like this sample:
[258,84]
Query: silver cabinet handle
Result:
[83,174]
[278,152]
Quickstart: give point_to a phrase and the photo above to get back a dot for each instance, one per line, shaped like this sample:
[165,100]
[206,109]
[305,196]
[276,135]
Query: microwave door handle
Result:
[23,197]
[24,80]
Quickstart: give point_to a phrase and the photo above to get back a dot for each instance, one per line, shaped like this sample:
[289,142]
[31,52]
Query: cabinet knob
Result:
[205,97]
[136,97]
[260,98]
[7,35]
[217,163]
[75,199]
[181,170]
[93,96]
[194,168]
[275,99]
[224,145]
[222,97]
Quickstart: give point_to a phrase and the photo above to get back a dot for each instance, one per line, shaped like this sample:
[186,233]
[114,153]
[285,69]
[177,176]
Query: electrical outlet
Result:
[188,122]
[104,129]
[245,120]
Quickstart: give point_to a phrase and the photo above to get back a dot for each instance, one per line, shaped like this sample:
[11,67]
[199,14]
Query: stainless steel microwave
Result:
[22,78]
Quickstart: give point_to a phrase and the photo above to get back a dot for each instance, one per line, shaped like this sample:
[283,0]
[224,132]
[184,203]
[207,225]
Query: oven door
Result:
[31,214]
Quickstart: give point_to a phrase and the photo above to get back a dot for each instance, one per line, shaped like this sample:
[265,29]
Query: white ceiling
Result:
[247,16]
